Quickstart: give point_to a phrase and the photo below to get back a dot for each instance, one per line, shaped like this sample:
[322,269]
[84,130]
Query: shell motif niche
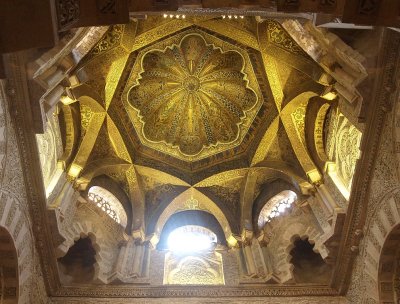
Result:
[192,95]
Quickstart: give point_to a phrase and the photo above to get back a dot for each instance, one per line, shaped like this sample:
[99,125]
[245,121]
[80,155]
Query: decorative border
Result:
[128,291]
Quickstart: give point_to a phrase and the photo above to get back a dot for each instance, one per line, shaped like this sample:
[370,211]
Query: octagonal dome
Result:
[192,96]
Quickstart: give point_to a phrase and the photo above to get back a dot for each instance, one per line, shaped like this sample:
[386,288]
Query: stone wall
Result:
[14,210]
[383,204]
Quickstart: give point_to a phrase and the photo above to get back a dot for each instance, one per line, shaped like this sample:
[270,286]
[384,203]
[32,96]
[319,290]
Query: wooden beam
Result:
[385,12]
[153,6]
[26,24]
[79,13]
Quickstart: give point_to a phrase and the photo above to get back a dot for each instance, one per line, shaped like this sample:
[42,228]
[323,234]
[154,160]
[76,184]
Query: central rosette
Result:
[192,95]
[191,84]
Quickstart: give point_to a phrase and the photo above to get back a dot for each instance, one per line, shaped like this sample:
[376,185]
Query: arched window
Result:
[276,206]
[192,259]
[191,238]
[105,200]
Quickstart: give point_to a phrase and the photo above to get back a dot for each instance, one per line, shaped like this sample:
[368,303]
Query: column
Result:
[325,196]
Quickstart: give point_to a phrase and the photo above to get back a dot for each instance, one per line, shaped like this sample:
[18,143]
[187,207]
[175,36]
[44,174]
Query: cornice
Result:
[128,291]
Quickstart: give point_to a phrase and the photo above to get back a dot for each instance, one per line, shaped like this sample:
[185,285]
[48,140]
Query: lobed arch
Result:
[62,267]
[308,263]
[101,242]
[285,232]
[268,170]
[274,187]
[191,199]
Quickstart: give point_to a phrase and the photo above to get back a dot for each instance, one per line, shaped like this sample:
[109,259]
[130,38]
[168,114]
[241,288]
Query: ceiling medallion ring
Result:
[191,84]
[193,97]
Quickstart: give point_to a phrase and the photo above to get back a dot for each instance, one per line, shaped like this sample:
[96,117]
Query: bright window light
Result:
[276,206]
[108,203]
[191,239]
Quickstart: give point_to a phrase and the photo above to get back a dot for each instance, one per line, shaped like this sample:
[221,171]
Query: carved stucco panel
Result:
[384,182]
[269,300]
[194,269]
[14,212]
[50,148]
[157,259]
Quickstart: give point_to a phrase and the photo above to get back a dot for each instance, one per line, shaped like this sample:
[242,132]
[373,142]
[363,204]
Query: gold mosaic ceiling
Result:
[194,98]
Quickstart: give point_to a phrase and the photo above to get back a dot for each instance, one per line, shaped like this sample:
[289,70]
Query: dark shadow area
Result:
[9,281]
[77,266]
[309,267]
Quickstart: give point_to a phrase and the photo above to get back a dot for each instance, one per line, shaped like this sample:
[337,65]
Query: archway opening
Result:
[309,267]
[197,218]
[8,269]
[192,240]
[108,203]
[78,265]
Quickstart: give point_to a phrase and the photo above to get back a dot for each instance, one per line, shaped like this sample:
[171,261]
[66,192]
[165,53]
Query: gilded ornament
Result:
[278,36]
[199,269]
[298,118]
[233,31]
[192,98]
[110,40]
[86,116]
[342,146]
